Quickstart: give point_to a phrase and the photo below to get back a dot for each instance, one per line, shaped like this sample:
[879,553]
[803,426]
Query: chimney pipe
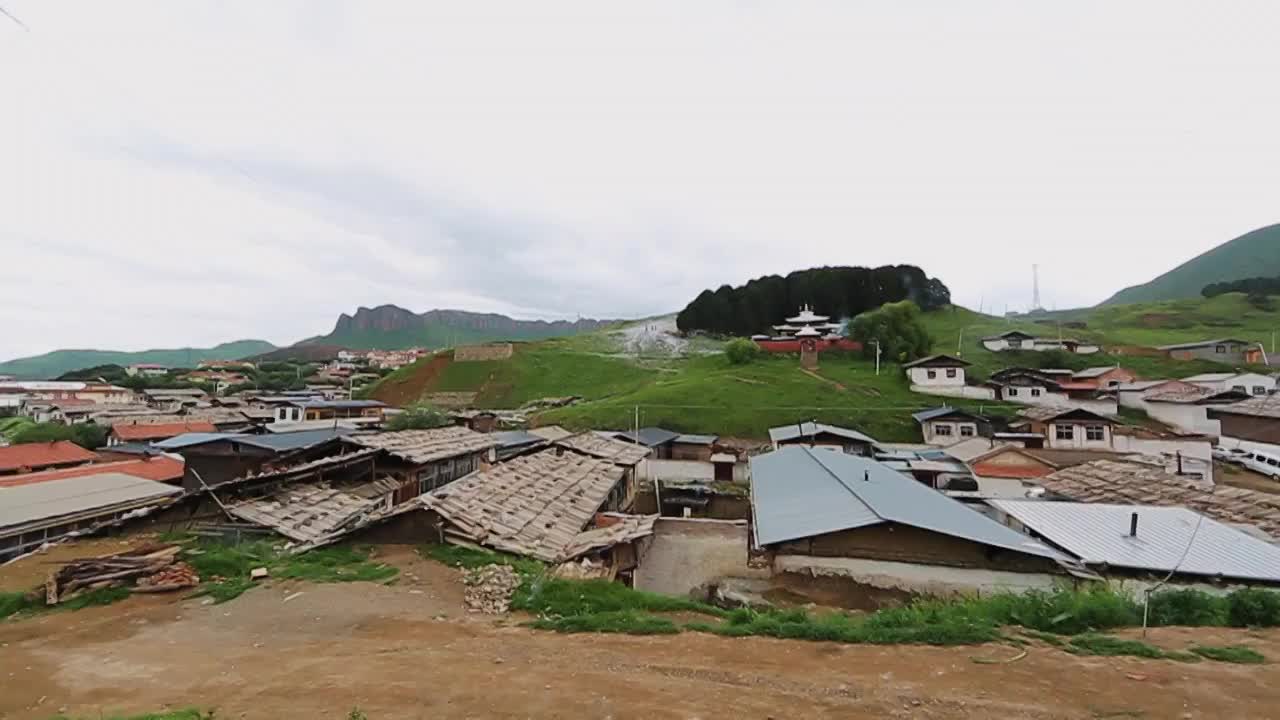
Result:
[866,476]
[1179,462]
[1133,525]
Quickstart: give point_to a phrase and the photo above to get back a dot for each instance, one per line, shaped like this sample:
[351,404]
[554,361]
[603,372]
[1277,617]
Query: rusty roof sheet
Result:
[159,431]
[1113,481]
[159,469]
[423,446]
[535,505]
[34,456]
[599,446]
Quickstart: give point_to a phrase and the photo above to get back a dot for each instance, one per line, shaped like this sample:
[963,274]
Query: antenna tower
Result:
[1035,287]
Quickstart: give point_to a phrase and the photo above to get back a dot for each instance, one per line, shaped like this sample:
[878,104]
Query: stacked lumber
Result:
[154,568]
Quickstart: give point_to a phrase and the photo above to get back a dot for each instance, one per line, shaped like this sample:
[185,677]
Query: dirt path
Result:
[407,651]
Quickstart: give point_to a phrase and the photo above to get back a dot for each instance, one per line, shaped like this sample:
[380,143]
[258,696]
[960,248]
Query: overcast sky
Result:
[184,173]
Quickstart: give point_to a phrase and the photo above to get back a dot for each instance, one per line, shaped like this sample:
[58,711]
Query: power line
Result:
[14,18]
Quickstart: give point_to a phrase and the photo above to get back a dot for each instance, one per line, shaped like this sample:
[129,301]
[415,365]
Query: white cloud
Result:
[192,172]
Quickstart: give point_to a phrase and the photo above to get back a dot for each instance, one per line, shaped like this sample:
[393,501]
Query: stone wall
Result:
[479,353]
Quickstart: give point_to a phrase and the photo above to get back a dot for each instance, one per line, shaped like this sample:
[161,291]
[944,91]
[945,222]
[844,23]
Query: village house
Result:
[1185,407]
[213,458]
[33,457]
[546,506]
[424,460]
[847,531]
[1027,386]
[947,425]
[693,447]
[173,399]
[1066,428]
[1253,424]
[1228,351]
[1018,340]
[365,413]
[233,365]
[1129,482]
[821,435]
[657,440]
[42,509]
[936,371]
[146,370]
[484,421]
[626,456]
[1010,471]
[138,431]
[1104,378]
[1147,545]
[26,390]
[1249,383]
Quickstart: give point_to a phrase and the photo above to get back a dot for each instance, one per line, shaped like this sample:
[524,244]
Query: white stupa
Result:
[808,324]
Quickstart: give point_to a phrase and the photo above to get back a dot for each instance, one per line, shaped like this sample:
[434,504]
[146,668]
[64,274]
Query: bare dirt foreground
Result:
[409,651]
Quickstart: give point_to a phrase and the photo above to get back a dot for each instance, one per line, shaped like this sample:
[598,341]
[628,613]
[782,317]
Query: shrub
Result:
[419,417]
[741,351]
[622,621]
[1231,653]
[1091,644]
[1187,607]
[1252,607]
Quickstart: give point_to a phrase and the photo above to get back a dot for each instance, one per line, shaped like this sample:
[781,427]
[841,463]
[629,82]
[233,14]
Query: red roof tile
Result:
[159,431]
[1015,472]
[35,456]
[160,469]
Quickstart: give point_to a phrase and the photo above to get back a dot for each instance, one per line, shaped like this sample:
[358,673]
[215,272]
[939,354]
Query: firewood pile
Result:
[150,569]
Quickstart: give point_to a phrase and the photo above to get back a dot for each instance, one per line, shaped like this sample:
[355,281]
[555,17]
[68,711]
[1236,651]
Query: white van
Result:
[1265,463]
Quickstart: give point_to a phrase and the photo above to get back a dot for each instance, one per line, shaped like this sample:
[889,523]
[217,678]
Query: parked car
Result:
[1263,463]
[1235,456]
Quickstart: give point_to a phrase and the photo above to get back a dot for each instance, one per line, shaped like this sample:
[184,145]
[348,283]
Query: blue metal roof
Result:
[799,492]
[279,442]
[184,440]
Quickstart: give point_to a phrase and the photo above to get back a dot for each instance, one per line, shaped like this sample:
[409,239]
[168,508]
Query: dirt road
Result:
[408,651]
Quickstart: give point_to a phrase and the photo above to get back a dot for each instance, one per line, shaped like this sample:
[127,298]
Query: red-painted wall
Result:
[793,346]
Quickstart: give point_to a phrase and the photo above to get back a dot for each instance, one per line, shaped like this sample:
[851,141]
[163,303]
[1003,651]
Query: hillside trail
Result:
[409,650]
[870,392]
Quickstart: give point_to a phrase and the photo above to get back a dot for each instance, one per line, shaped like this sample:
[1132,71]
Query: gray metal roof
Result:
[809,429]
[1099,534]
[194,438]
[926,415]
[1093,372]
[697,439]
[799,492]
[278,442]
[38,501]
[648,436]
[312,404]
[1202,343]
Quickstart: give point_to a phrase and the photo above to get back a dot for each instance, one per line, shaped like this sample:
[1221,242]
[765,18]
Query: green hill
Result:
[1255,254]
[389,327]
[53,364]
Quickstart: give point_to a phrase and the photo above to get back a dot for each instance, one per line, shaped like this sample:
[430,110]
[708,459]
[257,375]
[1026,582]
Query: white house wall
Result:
[932,436]
[1053,399]
[1247,380]
[920,376]
[1079,438]
[956,391]
[1187,418]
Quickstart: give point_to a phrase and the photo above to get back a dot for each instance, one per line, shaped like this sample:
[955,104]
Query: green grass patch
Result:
[1044,637]
[629,622]
[225,568]
[556,597]
[1107,645]
[1230,654]
[14,604]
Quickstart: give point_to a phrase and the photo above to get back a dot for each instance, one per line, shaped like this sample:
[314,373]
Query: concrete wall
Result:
[957,391]
[942,377]
[687,554]
[862,583]
[1234,354]
[1188,418]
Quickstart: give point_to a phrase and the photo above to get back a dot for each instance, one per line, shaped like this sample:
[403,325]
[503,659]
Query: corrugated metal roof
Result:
[697,439]
[188,439]
[648,436]
[799,492]
[1202,343]
[423,446]
[809,429]
[1094,372]
[1098,534]
[1209,377]
[41,455]
[926,415]
[39,501]
[1264,406]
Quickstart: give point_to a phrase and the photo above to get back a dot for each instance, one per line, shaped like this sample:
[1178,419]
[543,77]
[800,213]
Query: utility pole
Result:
[877,342]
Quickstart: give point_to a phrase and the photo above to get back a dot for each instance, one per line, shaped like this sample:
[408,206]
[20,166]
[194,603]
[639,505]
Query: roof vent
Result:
[866,476]
[1133,525]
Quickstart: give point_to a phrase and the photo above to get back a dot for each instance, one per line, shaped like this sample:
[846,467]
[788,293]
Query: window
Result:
[1065,432]
[1011,392]
[1220,349]
[1095,432]
[1259,390]
[933,374]
[1238,388]
[967,431]
[951,372]
[942,429]
[1035,392]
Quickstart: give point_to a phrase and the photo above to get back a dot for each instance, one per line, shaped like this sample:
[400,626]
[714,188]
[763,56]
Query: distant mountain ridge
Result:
[391,327]
[1254,254]
[53,364]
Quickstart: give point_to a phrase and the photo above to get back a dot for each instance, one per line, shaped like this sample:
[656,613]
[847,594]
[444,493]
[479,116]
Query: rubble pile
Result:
[489,589]
[175,577]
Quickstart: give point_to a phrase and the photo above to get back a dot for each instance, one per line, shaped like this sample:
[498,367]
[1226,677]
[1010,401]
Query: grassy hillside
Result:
[1144,325]
[1251,255]
[55,363]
